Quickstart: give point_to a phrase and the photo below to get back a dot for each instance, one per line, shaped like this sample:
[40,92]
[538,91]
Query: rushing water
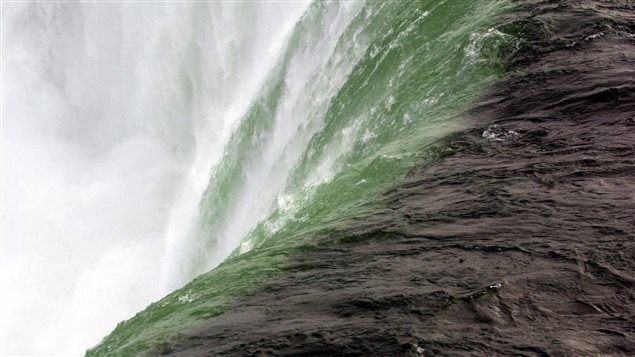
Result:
[145,143]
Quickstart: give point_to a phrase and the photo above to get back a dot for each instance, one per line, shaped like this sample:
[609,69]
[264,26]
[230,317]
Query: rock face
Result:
[519,243]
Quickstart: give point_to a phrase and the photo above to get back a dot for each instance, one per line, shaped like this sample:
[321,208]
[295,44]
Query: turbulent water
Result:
[145,143]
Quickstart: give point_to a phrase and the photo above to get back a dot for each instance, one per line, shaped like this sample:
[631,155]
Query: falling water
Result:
[144,143]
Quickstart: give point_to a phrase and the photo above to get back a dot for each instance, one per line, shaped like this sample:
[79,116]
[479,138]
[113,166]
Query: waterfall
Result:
[145,144]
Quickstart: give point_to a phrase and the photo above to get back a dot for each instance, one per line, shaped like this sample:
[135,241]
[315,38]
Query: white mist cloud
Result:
[86,185]
[113,116]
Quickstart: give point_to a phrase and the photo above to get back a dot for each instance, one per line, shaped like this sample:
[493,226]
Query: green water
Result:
[391,87]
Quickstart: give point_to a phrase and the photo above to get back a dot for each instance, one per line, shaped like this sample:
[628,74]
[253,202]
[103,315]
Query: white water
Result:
[312,74]
[113,117]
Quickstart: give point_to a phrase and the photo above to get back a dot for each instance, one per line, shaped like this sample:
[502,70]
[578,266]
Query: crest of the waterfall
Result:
[271,137]
[114,116]
[244,43]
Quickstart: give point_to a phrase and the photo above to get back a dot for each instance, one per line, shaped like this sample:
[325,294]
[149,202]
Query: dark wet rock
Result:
[519,243]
